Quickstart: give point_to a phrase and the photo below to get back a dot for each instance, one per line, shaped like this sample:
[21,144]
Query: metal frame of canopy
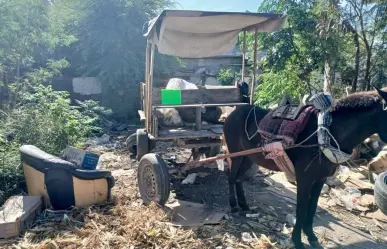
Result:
[198,34]
[189,25]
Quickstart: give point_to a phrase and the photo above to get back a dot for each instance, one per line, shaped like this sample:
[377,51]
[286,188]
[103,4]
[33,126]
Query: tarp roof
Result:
[199,34]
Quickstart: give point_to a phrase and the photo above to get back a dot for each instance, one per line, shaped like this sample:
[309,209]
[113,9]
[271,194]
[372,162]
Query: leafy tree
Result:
[369,19]
[112,48]
[22,30]
[322,37]
[293,52]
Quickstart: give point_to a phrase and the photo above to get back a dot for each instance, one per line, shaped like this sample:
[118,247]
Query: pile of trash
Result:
[353,188]
[354,195]
[102,143]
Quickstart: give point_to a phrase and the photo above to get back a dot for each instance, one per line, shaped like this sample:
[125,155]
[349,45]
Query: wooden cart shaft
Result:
[195,164]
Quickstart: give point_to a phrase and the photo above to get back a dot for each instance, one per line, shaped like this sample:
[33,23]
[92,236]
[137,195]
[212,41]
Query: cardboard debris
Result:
[367,200]
[81,158]
[359,184]
[379,163]
[378,215]
[18,215]
[190,214]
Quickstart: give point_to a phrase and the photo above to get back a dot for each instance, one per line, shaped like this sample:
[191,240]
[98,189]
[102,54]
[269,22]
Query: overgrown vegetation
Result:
[43,39]
[227,76]
[42,117]
[326,45]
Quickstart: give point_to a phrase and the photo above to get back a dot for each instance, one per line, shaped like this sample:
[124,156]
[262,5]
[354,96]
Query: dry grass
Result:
[126,223]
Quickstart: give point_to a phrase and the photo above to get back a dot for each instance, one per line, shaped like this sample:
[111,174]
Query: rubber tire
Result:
[142,143]
[131,143]
[161,178]
[380,192]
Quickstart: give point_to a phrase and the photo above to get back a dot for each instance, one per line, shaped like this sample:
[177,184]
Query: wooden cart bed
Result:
[187,132]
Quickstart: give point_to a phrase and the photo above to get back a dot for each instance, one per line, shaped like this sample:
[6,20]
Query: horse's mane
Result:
[361,101]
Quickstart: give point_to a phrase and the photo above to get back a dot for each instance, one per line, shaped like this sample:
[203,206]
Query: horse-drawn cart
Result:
[190,34]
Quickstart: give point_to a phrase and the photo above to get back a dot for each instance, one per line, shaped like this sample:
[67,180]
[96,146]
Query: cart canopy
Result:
[199,34]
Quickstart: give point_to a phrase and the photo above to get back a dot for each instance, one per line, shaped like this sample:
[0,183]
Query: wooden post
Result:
[198,124]
[150,86]
[252,85]
[145,89]
[156,128]
[243,56]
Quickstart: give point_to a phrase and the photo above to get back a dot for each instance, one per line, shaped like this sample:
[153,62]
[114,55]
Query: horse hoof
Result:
[234,210]
[244,211]
[245,208]
[299,246]
[315,244]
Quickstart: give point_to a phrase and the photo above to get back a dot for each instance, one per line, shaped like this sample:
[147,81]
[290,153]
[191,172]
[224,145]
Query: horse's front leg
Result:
[304,187]
[232,178]
[308,224]
[241,196]
[246,165]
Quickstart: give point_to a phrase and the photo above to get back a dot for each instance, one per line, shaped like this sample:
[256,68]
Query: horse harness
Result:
[288,112]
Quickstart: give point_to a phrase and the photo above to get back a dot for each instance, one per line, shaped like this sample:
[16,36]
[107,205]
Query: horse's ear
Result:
[382,93]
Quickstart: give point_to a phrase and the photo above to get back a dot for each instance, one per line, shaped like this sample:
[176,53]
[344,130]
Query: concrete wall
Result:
[207,69]
[78,88]
[86,86]
[125,102]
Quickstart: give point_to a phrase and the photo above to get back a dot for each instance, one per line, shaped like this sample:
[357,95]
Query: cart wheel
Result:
[153,179]
[142,143]
[131,143]
[380,192]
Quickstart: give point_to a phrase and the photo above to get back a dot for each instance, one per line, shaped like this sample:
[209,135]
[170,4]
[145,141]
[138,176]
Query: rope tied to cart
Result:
[334,154]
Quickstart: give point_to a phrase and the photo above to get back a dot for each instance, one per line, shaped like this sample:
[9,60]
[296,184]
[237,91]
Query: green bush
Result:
[226,76]
[45,118]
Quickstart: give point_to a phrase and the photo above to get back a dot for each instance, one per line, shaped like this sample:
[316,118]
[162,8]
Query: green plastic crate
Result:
[170,97]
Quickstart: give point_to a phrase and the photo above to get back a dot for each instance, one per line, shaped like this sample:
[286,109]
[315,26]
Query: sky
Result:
[219,5]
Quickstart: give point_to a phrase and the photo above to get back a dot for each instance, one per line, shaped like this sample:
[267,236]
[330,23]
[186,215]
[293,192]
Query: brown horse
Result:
[355,118]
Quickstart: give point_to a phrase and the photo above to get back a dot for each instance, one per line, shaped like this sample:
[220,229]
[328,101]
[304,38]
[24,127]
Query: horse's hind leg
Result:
[308,224]
[245,166]
[232,180]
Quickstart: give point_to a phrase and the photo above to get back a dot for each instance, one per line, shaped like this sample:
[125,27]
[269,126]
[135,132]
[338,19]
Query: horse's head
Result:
[358,116]
[244,92]
[382,116]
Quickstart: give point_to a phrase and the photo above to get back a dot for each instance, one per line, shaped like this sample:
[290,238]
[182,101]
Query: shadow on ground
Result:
[273,201]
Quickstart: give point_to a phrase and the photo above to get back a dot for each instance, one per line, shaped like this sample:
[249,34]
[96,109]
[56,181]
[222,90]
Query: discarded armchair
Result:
[61,183]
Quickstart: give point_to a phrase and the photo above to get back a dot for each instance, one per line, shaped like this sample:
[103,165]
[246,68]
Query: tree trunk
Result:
[328,77]
[357,62]
[367,74]
[18,69]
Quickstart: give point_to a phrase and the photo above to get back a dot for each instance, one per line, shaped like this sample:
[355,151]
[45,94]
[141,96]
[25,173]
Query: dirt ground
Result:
[126,223]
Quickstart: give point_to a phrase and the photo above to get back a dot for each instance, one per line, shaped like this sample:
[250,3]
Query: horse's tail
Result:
[225,148]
